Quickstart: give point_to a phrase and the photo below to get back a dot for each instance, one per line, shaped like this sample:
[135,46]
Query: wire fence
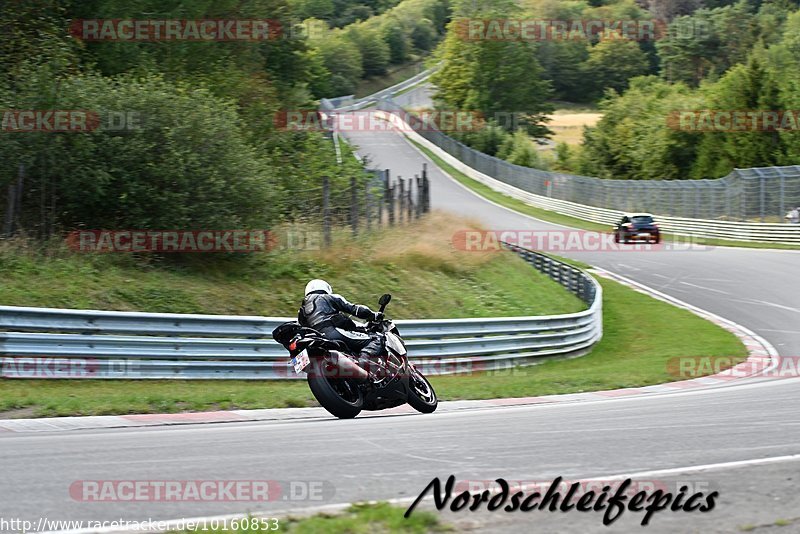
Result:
[760,194]
[380,201]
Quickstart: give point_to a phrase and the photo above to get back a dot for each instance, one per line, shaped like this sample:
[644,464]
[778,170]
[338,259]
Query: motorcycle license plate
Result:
[300,362]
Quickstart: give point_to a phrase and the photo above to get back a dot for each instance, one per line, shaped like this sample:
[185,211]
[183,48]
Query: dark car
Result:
[637,227]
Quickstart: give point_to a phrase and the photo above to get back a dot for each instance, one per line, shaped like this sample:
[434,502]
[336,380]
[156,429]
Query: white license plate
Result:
[301,361]
[644,234]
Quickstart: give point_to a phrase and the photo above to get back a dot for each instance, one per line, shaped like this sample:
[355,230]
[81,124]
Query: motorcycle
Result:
[341,386]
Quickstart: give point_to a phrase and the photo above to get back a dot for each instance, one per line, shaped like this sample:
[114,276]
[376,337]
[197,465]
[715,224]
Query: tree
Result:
[320,9]
[612,63]
[343,59]
[744,88]
[495,77]
[423,36]
[520,150]
[563,64]
[707,43]
[395,37]
[667,10]
[783,65]
[374,50]
[633,140]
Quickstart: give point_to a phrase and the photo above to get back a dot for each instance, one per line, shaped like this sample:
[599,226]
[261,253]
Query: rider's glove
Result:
[378,317]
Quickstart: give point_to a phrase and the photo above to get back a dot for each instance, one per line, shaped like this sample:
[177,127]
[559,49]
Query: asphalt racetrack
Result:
[742,441]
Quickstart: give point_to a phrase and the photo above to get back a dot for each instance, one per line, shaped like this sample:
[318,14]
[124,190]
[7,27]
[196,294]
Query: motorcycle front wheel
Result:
[421,395]
[340,396]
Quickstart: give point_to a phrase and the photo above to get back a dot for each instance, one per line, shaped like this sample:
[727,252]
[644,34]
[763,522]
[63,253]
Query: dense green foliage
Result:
[338,13]
[722,55]
[751,66]
[369,47]
[201,148]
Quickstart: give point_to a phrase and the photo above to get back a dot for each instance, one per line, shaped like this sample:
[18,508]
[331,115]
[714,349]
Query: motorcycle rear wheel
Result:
[341,397]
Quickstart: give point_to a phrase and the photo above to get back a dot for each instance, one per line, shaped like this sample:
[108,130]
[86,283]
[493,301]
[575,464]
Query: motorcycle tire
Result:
[421,395]
[330,391]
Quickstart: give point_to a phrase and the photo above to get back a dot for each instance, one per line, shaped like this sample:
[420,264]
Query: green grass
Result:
[627,356]
[416,263]
[368,518]
[566,220]
[358,519]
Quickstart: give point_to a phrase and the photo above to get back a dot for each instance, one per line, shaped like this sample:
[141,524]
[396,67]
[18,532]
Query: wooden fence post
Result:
[367,206]
[326,211]
[353,206]
[401,196]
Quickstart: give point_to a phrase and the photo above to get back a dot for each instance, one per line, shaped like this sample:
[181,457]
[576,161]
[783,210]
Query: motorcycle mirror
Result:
[385,299]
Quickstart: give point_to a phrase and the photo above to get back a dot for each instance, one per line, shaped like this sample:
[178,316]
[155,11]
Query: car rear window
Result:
[642,220]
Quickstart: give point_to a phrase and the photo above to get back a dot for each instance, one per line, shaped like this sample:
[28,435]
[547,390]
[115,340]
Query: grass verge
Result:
[358,519]
[416,263]
[627,356]
[566,220]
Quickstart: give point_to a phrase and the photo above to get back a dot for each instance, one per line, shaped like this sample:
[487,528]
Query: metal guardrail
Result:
[65,343]
[740,231]
[352,104]
[743,195]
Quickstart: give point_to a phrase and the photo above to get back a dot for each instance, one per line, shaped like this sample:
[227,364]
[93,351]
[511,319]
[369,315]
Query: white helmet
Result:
[318,285]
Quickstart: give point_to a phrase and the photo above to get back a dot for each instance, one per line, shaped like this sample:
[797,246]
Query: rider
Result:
[324,311]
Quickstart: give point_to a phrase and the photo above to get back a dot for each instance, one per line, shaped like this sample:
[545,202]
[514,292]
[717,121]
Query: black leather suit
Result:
[326,313]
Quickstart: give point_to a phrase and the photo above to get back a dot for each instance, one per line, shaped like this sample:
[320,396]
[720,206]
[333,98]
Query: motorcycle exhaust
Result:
[348,368]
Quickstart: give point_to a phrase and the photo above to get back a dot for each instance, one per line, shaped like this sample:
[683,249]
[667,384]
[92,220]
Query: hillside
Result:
[416,263]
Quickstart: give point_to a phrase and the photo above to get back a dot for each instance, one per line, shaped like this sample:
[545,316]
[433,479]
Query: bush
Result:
[185,164]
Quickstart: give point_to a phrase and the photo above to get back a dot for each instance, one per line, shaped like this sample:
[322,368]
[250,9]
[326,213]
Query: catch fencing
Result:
[755,195]
[86,344]
[557,192]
